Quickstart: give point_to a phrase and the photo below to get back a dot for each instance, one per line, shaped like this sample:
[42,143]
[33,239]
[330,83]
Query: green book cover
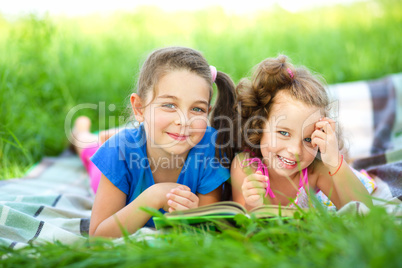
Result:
[220,211]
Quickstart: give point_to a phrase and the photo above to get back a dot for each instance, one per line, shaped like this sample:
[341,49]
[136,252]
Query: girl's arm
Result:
[211,197]
[181,198]
[336,179]
[343,186]
[109,209]
[237,176]
[247,189]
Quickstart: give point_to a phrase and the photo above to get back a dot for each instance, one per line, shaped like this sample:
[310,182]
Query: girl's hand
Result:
[159,191]
[254,187]
[325,138]
[181,198]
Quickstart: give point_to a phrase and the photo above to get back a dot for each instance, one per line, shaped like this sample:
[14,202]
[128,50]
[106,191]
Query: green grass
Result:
[320,240]
[48,65]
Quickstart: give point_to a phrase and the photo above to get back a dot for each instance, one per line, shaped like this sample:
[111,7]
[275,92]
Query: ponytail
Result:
[222,116]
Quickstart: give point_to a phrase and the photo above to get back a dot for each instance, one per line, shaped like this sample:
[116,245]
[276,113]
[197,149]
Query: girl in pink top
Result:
[289,144]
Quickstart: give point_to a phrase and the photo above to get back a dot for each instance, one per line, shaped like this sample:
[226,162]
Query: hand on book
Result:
[181,198]
[254,187]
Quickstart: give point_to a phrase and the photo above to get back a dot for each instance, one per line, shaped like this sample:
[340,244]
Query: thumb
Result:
[184,187]
[259,172]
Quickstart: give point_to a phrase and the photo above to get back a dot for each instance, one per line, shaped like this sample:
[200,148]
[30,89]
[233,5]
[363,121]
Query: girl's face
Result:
[177,118]
[286,141]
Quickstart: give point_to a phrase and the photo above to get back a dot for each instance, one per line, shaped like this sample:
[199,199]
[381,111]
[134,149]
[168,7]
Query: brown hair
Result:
[165,60]
[255,97]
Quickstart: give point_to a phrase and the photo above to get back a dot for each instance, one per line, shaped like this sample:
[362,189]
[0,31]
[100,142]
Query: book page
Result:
[219,208]
[273,211]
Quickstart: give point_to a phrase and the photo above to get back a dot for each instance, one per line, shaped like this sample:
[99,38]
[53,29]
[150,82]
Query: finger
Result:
[257,177]
[185,194]
[331,122]
[177,206]
[255,184]
[254,198]
[184,201]
[255,191]
[183,187]
[325,126]
[329,136]
[320,143]
[318,134]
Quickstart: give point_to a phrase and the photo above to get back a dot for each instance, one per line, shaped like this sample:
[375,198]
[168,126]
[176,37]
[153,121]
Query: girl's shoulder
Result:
[207,145]
[124,143]
[318,167]
[209,137]
[131,134]
[244,159]
[316,170]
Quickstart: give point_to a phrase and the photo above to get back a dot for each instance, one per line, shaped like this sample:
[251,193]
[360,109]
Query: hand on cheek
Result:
[325,138]
[181,198]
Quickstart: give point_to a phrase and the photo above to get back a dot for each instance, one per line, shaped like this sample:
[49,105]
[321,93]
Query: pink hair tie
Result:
[213,73]
[290,72]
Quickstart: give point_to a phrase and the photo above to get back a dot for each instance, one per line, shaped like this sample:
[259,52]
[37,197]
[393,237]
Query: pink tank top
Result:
[264,170]
[302,198]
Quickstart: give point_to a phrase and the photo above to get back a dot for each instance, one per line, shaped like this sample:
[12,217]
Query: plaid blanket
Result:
[53,202]
[370,113]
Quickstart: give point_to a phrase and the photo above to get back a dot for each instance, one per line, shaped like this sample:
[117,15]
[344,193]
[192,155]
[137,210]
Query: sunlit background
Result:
[56,55]
[76,7]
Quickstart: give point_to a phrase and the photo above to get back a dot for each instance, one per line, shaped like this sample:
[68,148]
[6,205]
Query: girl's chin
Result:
[179,150]
[287,170]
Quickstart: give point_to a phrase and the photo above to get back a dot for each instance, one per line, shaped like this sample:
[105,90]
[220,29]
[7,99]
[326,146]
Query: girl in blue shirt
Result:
[171,161]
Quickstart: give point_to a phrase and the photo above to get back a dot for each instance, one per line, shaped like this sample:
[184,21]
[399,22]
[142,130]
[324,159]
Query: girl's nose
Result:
[181,118]
[295,148]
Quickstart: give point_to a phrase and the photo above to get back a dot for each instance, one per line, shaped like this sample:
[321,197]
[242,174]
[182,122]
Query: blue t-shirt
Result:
[123,160]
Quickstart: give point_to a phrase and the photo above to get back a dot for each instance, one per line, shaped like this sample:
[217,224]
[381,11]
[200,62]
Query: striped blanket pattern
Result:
[370,114]
[53,202]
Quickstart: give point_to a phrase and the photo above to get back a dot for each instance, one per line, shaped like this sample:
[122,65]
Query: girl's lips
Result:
[177,137]
[286,163]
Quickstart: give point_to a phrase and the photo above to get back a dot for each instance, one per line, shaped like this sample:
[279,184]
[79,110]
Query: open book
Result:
[222,211]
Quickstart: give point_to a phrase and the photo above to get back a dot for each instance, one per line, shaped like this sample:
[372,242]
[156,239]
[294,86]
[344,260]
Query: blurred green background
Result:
[49,65]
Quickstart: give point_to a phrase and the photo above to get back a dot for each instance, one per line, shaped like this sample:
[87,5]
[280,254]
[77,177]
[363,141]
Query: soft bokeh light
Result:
[76,7]
[55,55]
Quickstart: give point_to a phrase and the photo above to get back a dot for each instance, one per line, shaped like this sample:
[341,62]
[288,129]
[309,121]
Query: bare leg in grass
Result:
[82,137]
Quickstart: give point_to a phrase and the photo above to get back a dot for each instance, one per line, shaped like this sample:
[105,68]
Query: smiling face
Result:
[177,118]
[286,140]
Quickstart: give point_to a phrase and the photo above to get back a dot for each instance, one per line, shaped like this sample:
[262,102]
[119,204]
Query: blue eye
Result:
[168,105]
[307,139]
[198,110]
[284,133]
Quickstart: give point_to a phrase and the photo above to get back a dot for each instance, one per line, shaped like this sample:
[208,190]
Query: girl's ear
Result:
[136,104]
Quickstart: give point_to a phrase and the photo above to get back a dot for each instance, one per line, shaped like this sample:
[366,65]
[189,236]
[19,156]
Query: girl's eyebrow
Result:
[284,128]
[176,98]
[167,97]
[202,102]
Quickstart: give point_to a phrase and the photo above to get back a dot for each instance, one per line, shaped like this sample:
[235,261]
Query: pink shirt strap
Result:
[264,170]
